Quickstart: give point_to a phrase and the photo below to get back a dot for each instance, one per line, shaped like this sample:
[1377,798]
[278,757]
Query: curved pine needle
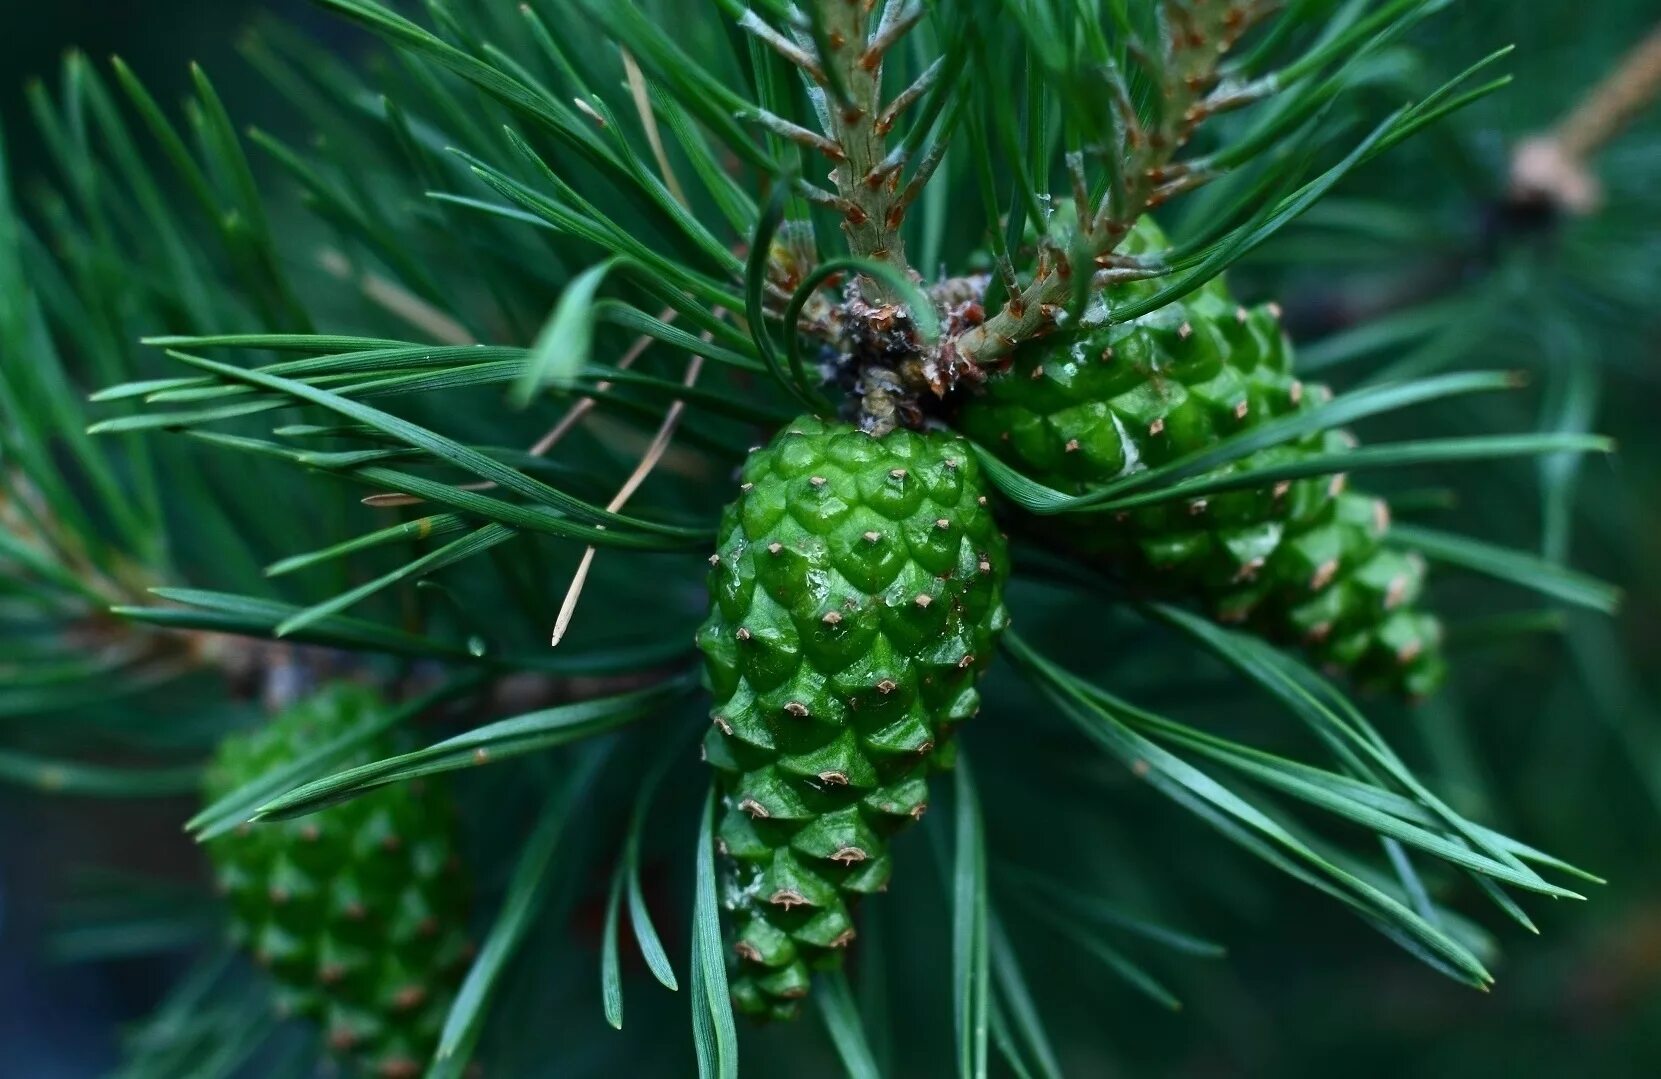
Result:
[565,425]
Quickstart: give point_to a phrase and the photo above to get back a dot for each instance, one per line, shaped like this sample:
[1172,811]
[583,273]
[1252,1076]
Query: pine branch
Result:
[840,55]
[1199,35]
[580,207]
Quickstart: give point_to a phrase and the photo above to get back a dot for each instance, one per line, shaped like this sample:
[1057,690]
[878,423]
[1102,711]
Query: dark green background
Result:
[57,1021]
[158,38]
[1307,991]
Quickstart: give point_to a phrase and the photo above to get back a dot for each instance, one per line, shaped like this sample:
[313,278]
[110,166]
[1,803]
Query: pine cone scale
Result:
[358,911]
[1304,560]
[856,602]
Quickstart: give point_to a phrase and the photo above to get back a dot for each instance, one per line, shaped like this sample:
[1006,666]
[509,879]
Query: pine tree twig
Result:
[909,96]
[1201,35]
[1231,96]
[1616,101]
[1180,185]
[922,175]
[866,176]
[819,196]
[1117,275]
[888,166]
[896,21]
[754,24]
[1555,168]
[798,134]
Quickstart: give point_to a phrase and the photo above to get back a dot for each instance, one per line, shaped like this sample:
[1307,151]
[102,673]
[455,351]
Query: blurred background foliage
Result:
[1557,741]
[1560,740]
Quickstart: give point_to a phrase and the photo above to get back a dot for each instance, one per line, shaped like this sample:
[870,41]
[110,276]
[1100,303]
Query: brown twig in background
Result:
[1555,168]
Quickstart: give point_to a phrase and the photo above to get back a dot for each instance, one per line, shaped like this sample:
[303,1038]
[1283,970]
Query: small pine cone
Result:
[1303,561]
[358,911]
[856,601]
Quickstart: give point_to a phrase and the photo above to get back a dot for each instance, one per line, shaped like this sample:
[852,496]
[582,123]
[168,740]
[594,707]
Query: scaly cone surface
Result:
[358,911]
[1303,560]
[856,600]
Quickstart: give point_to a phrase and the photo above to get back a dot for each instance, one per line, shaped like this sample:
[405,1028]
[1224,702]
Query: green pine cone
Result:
[357,911]
[856,601]
[1303,560]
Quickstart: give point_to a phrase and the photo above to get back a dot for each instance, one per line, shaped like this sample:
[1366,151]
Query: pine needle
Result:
[544,445]
[648,461]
